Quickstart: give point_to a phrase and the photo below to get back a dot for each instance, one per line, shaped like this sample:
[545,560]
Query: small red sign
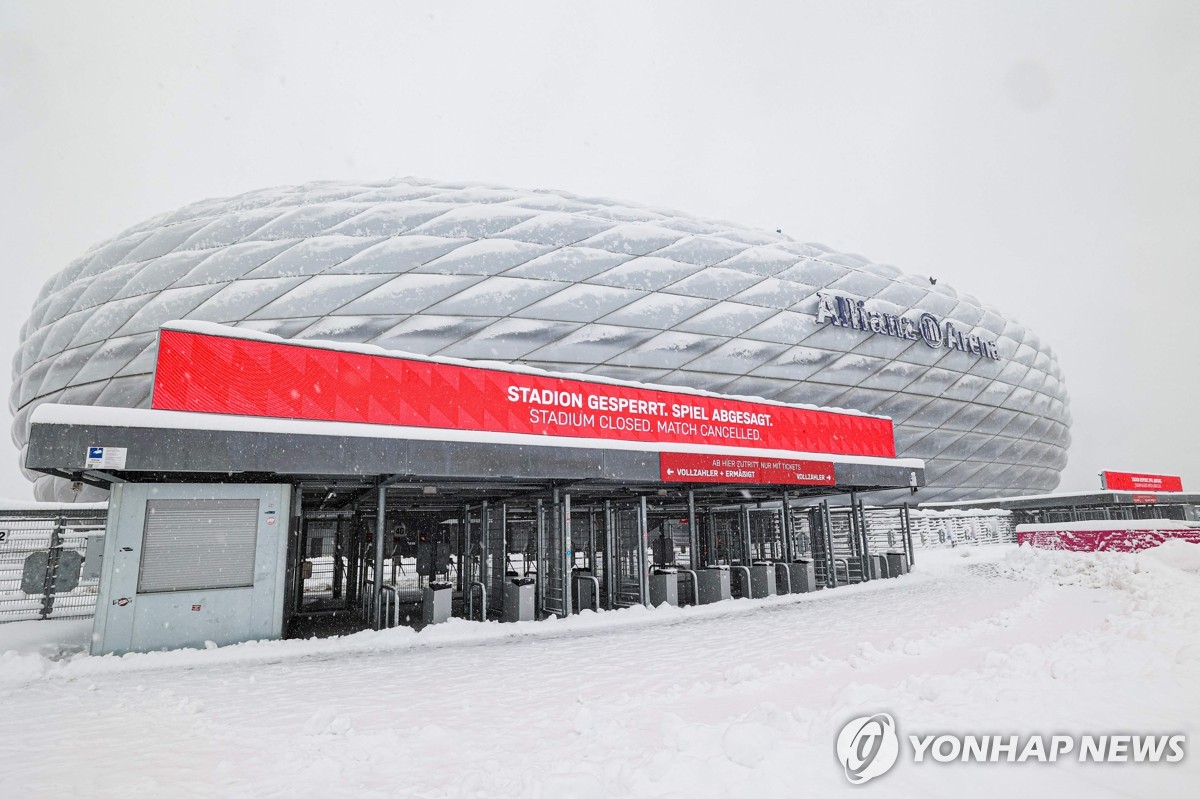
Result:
[688,467]
[1128,481]
[1144,499]
[195,607]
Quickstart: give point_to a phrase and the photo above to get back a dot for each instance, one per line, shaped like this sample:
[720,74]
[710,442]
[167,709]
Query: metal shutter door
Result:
[191,544]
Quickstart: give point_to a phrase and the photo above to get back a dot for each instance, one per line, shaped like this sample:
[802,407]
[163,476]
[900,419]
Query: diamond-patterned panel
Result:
[551,278]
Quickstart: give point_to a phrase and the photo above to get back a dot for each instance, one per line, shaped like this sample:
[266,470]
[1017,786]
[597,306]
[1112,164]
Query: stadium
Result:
[564,283]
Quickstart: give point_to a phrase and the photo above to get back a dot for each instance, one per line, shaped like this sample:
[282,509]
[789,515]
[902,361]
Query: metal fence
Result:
[44,563]
[48,569]
[933,529]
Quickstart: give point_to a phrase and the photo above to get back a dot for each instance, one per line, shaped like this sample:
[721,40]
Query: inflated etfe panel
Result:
[565,283]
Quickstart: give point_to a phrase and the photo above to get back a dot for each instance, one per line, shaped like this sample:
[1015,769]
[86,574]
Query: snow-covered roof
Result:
[18,505]
[1108,496]
[955,513]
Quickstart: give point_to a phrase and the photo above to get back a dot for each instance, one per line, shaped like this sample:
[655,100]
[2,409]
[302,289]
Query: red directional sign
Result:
[690,467]
[1127,481]
[210,373]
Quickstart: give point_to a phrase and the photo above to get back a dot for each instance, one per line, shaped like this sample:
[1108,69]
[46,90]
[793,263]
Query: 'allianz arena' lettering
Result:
[848,312]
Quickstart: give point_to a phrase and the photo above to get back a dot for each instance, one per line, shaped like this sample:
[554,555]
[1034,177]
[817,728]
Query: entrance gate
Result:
[320,549]
[767,540]
[581,551]
[630,584]
[553,556]
[841,540]
[588,553]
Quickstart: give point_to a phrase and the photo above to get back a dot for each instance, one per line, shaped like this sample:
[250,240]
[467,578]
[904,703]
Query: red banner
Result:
[1104,540]
[689,467]
[220,374]
[1127,481]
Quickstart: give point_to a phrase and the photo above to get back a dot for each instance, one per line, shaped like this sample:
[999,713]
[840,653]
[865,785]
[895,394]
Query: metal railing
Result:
[482,600]
[747,593]
[845,567]
[595,588]
[695,585]
[787,576]
[366,607]
[390,610]
[44,571]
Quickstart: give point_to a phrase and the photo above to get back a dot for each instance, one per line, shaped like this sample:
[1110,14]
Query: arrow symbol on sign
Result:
[670,471]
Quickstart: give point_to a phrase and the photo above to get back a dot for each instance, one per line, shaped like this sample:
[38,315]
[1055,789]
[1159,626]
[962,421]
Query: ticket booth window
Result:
[198,544]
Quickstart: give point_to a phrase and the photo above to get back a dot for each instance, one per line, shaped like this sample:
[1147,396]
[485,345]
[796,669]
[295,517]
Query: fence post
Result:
[51,579]
[908,544]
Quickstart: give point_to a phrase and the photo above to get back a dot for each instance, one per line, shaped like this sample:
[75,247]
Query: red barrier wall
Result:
[1104,540]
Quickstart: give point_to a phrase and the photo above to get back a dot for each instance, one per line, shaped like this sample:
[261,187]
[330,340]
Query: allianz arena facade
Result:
[564,283]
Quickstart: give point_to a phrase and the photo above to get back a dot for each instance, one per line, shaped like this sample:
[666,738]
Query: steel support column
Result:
[747,543]
[710,536]
[484,532]
[907,527]
[866,552]
[339,548]
[380,528]
[353,546]
[642,559]
[302,552]
[827,534]
[591,558]
[464,554]
[503,576]
[789,531]
[610,556]
[856,540]
[568,557]
[540,559]
[693,533]
[297,542]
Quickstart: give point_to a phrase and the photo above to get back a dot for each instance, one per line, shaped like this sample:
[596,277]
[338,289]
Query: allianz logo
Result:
[842,311]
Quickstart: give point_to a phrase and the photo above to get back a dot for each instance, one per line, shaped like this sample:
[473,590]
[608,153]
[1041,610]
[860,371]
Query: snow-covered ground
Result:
[744,698]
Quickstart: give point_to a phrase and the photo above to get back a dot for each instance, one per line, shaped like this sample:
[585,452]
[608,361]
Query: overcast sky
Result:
[1042,156]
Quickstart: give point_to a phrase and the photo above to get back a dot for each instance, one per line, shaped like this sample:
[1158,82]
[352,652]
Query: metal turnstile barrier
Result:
[553,568]
[629,560]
